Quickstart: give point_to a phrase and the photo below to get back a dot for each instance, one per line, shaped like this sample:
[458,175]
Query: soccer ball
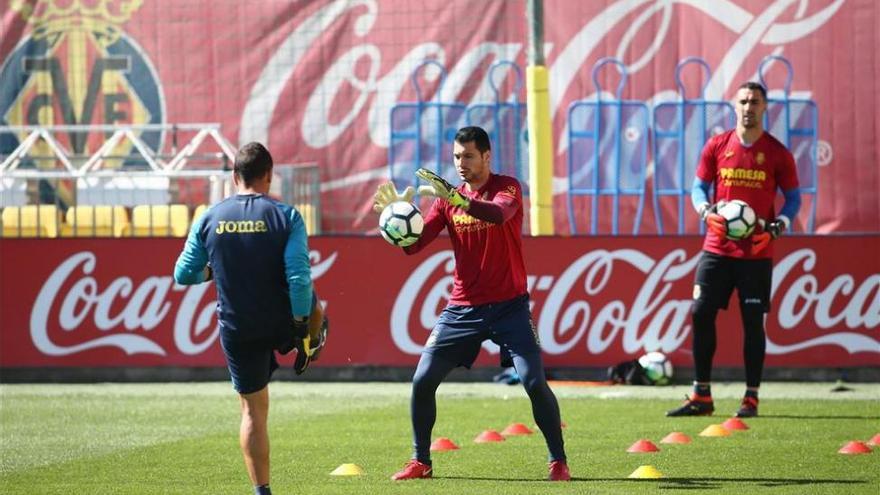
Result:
[401,223]
[740,217]
[658,368]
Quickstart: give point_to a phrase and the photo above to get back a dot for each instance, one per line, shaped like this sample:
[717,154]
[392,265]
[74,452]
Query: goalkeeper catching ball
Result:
[489,300]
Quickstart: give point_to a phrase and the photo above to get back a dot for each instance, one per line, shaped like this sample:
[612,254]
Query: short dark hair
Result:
[752,85]
[476,135]
[252,162]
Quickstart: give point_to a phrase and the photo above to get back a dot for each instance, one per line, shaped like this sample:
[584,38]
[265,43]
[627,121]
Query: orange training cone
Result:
[516,429]
[643,446]
[715,431]
[874,441]
[855,447]
[442,444]
[676,437]
[489,436]
[735,424]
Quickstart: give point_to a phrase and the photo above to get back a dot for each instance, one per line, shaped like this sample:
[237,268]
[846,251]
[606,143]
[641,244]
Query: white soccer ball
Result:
[401,223]
[740,217]
[658,367]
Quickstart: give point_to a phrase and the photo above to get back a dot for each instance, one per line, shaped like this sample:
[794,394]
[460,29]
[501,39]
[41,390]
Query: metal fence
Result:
[127,187]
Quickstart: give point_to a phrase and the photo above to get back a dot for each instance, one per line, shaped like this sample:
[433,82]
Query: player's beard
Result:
[749,121]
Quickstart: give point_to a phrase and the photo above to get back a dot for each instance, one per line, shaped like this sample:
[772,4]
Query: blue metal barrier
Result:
[795,123]
[608,150]
[505,122]
[422,133]
[681,129]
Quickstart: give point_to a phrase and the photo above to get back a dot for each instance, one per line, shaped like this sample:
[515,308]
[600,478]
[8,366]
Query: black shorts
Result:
[718,275]
[461,330]
[252,362]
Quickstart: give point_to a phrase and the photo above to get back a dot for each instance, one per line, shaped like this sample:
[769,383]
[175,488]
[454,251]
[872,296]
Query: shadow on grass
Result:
[801,416]
[716,483]
[684,483]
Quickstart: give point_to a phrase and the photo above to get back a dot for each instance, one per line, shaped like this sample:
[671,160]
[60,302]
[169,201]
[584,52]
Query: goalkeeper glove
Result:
[715,222]
[386,194]
[299,330]
[439,188]
[771,232]
[303,343]
[775,228]
[314,342]
[303,358]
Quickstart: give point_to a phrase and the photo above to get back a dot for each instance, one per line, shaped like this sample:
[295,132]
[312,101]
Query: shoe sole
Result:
[427,477]
[685,414]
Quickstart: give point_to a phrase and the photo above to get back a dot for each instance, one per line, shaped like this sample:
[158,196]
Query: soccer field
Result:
[183,438]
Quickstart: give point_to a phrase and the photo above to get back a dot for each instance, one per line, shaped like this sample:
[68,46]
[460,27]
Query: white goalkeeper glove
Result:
[439,188]
[386,194]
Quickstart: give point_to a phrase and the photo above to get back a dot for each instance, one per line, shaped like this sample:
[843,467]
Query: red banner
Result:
[596,301]
[316,80]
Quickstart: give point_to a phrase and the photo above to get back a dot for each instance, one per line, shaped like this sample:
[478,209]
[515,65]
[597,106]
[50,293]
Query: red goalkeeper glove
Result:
[771,232]
[715,222]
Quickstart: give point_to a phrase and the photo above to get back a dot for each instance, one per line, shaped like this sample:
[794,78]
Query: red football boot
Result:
[748,408]
[559,471]
[413,470]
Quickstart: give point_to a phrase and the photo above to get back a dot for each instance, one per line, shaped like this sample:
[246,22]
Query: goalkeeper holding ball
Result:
[749,164]
[255,250]
[489,297]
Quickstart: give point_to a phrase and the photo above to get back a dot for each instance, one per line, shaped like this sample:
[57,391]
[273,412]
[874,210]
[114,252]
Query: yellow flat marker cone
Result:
[348,470]
[715,431]
[646,472]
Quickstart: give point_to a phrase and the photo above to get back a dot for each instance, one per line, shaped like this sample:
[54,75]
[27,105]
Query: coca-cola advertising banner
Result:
[596,301]
[316,80]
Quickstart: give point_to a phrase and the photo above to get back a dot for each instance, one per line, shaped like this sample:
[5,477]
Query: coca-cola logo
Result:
[144,308]
[859,305]
[571,317]
[376,92]
[362,76]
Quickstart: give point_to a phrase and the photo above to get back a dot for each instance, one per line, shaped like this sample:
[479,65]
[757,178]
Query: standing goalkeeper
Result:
[255,250]
[751,165]
[489,296]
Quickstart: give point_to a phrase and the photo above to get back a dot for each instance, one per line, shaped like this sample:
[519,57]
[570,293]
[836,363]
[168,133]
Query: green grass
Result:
[182,438]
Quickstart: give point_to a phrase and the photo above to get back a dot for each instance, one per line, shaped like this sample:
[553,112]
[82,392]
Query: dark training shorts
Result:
[252,362]
[461,330]
[718,275]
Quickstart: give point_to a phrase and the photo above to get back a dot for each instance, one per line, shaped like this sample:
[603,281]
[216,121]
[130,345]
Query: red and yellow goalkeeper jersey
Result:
[749,173]
[489,264]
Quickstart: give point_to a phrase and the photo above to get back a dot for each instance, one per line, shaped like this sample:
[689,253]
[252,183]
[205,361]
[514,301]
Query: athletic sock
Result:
[703,390]
[751,393]
[262,490]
